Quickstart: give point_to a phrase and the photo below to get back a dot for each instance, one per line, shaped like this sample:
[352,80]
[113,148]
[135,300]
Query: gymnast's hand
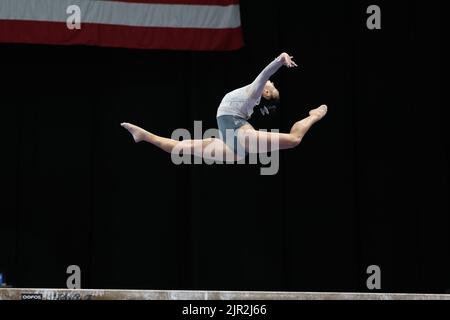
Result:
[287,60]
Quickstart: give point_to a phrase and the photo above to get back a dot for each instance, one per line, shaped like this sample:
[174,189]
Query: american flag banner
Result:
[204,25]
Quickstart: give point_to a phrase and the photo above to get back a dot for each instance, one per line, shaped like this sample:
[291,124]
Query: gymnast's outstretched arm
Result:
[257,86]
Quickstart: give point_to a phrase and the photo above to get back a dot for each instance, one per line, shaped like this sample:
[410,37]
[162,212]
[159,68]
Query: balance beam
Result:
[94,294]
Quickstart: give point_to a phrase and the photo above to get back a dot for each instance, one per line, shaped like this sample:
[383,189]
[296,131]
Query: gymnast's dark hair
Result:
[268,106]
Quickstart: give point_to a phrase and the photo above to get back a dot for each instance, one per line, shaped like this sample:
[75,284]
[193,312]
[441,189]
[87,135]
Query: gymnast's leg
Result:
[290,140]
[216,149]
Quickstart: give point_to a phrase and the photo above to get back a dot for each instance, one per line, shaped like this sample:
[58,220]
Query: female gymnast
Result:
[232,115]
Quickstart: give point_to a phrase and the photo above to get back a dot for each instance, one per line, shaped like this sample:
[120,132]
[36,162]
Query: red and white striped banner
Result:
[145,24]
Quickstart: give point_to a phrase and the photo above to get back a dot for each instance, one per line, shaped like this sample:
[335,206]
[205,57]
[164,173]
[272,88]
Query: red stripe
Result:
[15,31]
[192,2]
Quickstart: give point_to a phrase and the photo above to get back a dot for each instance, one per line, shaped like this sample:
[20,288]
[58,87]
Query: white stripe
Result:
[127,14]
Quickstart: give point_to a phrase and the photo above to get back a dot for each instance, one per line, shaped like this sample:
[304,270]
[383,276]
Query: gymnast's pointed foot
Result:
[319,112]
[138,134]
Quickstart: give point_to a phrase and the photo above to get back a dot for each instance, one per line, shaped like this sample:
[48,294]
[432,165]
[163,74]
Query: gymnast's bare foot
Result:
[138,134]
[319,112]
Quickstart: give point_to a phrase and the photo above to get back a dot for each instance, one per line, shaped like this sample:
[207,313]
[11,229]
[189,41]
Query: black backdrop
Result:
[368,185]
